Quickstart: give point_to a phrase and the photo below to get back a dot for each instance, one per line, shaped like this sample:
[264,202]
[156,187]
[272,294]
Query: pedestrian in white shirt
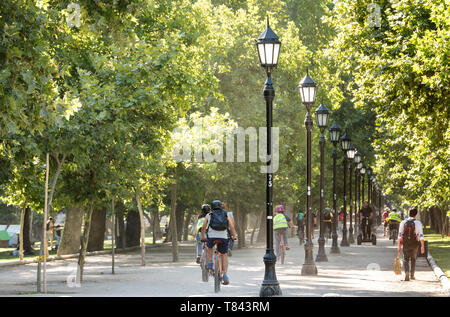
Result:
[410,234]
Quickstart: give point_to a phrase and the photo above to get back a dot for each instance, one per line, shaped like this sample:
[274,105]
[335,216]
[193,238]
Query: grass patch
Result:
[439,248]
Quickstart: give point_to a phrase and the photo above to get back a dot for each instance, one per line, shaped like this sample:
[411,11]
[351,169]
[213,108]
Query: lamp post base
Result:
[344,242]
[321,256]
[334,246]
[351,239]
[309,267]
[270,286]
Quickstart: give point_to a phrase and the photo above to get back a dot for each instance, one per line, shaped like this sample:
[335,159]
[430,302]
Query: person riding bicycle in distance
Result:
[393,220]
[217,223]
[280,226]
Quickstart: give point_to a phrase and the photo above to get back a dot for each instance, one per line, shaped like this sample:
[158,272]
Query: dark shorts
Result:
[222,244]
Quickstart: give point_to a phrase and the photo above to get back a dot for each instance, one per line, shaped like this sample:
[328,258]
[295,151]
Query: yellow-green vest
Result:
[279,222]
[200,223]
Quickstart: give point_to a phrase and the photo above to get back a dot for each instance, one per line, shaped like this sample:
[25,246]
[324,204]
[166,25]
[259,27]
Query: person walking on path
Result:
[409,235]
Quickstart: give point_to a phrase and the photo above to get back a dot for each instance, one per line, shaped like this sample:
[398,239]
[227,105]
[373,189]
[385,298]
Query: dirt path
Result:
[364,270]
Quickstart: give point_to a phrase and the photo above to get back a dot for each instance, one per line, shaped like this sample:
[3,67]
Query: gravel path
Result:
[364,270]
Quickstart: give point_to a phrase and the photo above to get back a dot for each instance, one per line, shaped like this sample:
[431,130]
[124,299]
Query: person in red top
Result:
[385,215]
[341,219]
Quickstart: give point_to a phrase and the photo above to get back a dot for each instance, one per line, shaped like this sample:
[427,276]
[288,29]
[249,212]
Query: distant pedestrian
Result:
[341,219]
[410,235]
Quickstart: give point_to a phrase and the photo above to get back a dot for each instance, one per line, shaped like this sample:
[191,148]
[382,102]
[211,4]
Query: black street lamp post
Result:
[357,160]
[322,122]
[369,175]
[334,136]
[358,193]
[362,171]
[350,155]
[345,144]
[307,89]
[268,47]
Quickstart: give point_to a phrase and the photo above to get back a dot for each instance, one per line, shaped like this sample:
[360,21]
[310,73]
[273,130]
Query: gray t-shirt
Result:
[215,233]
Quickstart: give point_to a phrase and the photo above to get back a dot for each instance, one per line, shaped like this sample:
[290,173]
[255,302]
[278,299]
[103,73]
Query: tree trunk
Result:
[98,227]
[70,238]
[256,225]
[186,225]
[240,226]
[437,219]
[27,248]
[84,241]
[155,226]
[173,220]
[133,229]
[433,224]
[262,228]
[141,218]
[21,232]
[120,232]
[443,222]
[179,211]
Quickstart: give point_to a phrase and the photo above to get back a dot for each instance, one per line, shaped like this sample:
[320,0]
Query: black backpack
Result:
[218,220]
[409,233]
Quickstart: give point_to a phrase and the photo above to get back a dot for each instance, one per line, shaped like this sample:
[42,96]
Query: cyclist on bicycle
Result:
[281,226]
[300,224]
[385,215]
[217,223]
[393,221]
[197,229]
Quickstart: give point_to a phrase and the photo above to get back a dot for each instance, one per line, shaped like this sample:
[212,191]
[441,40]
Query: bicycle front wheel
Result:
[217,276]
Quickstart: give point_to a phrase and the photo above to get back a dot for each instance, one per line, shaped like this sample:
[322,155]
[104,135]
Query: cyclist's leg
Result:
[277,242]
[285,237]
[222,248]
[199,244]
[209,251]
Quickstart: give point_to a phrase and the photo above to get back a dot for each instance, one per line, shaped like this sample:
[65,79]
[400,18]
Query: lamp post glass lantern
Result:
[268,47]
[307,88]
[335,132]
[322,122]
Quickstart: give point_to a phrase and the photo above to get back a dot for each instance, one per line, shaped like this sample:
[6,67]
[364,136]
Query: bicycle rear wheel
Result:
[204,267]
[282,254]
[217,277]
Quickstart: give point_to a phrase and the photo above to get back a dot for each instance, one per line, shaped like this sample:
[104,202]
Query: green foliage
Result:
[401,70]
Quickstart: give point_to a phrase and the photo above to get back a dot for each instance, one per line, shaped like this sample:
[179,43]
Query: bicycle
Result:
[204,264]
[282,248]
[216,271]
[393,232]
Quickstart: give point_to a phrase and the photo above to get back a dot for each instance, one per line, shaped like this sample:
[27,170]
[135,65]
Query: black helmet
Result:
[206,208]
[216,204]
